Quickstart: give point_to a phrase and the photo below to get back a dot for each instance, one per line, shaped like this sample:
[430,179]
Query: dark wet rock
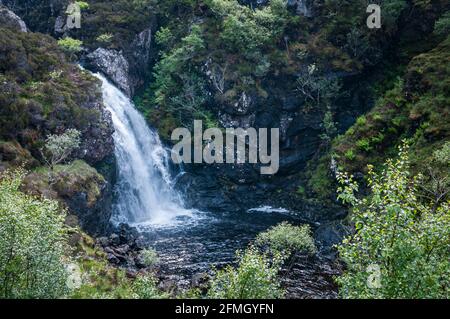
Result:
[128,234]
[140,242]
[236,121]
[169,285]
[140,56]
[310,277]
[200,281]
[114,239]
[60,25]
[102,241]
[124,246]
[139,262]
[302,7]
[131,273]
[330,234]
[113,259]
[97,145]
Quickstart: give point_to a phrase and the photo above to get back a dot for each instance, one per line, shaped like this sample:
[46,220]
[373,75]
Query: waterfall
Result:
[145,194]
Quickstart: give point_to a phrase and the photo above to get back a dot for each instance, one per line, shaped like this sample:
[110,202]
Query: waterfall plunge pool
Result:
[187,241]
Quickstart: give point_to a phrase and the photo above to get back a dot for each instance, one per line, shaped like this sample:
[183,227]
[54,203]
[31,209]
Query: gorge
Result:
[340,96]
[188,241]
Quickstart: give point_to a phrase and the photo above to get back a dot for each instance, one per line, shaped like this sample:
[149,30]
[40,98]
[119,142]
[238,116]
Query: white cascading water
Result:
[144,188]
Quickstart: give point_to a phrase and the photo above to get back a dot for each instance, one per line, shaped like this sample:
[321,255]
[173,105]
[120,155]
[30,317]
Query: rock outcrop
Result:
[10,20]
[125,68]
[113,64]
[301,7]
[85,192]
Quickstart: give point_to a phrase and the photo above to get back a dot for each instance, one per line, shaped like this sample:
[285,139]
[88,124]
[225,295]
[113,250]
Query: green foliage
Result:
[395,231]
[414,107]
[164,37]
[70,45]
[316,88]
[144,287]
[105,38]
[319,181]
[329,126]
[248,31]
[238,37]
[364,144]
[68,180]
[59,147]
[149,257]
[83,5]
[350,154]
[255,277]
[391,10]
[361,121]
[288,239]
[301,191]
[33,243]
[177,88]
[442,26]
[442,155]
[122,18]
[36,80]
[101,280]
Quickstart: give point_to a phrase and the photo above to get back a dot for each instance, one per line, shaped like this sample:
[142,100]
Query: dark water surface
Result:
[194,245]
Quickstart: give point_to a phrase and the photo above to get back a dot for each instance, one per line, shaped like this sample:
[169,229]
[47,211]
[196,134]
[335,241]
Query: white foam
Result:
[268,209]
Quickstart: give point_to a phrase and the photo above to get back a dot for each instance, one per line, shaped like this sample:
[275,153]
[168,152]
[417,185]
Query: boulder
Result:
[114,65]
[10,20]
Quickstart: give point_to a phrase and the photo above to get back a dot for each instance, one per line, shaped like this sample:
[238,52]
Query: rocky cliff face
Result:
[301,7]
[324,47]
[126,68]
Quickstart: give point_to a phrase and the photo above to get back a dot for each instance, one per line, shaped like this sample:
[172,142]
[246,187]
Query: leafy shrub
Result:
[149,257]
[350,154]
[164,37]
[32,245]
[59,147]
[145,287]
[392,10]
[442,25]
[248,31]
[177,88]
[377,139]
[83,5]
[301,190]
[254,278]
[364,144]
[316,88]
[70,45]
[442,155]
[405,239]
[361,121]
[105,38]
[288,238]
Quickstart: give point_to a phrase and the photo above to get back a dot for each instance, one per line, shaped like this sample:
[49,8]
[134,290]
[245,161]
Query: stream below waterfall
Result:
[188,242]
